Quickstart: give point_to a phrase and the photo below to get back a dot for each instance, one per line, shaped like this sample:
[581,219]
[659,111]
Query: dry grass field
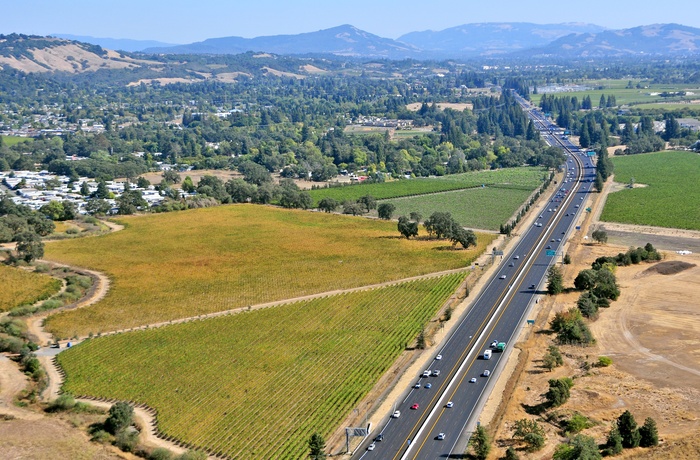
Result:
[200,261]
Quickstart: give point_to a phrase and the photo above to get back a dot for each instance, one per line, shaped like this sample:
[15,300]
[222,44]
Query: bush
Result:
[558,392]
[160,454]
[100,436]
[649,435]
[604,361]
[121,416]
[577,423]
[192,455]
[127,439]
[613,445]
[62,403]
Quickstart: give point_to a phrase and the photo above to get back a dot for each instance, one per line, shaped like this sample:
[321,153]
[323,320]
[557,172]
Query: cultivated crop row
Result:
[670,197]
[178,265]
[528,177]
[258,384]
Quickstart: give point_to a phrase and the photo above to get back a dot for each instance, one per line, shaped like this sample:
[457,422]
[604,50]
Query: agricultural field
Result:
[14,140]
[189,263]
[483,208]
[670,198]
[258,384]
[21,287]
[627,96]
[523,177]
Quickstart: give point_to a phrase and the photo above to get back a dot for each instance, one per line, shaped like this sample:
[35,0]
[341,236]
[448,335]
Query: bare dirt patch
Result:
[51,438]
[670,267]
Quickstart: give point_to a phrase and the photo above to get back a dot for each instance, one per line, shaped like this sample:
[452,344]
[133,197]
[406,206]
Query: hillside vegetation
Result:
[189,263]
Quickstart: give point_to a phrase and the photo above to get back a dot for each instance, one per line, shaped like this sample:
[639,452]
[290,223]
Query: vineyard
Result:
[484,208]
[671,198]
[20,287]
[525,177]
[183,264]
[258,384]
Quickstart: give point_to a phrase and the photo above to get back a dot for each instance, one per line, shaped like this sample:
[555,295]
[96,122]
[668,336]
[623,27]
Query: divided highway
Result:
[426,426]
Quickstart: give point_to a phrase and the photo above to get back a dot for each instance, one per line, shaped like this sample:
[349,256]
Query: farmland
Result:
[183,264]
[624,95]
[525,177]
[484,208]
[671,198]
[258,384]
[21,287]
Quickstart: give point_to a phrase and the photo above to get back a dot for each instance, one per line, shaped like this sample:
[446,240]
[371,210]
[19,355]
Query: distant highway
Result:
[496,315]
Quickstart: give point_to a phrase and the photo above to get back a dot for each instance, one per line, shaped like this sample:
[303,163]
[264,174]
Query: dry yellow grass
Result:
[21,287]
[189,263]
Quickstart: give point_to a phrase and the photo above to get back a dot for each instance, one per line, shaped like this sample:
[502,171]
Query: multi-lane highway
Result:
[426,426]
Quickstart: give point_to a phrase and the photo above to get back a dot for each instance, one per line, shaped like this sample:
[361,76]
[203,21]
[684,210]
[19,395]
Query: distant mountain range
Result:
[653,40]
[344,40]
[492,38]
[118,44]
[80,54]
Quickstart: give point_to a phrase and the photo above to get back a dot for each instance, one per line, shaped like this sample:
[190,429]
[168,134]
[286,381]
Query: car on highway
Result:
[516,257]
[396,414]
[379,438]
[371,446]
[438,357]
[576,206]
[494,344]
[486,373]
[426,373]
[559,240]
[549,246]
[472,380]
[502,277]
[436,373]
[552,240]
[449,404]
[512,264]
[428,386]
[414,407]
[441,437]
[417,385]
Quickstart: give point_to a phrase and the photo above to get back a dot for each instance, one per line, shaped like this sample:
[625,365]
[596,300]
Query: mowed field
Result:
[20,287]
[672,197]
[189,263]
[526,177]
[258,384]
[483,208]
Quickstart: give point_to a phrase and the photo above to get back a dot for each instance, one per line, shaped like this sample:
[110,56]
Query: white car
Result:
[438,357]
[503,277]
[371,446]
[426,373]
[494,344]
[486,373]
[449,404]
[472,380]
[441,436]
[396,414]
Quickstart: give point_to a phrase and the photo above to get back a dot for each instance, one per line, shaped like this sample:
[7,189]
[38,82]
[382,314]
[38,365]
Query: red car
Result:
[414,407]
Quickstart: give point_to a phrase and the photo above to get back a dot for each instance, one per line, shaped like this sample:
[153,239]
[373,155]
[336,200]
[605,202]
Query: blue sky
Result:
[177,21]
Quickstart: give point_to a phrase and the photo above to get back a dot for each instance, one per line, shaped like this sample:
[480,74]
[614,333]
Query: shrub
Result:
[577,423]
[127,439]
[62,403]
[192,455]
[101,436]
[627,427]
[121,416]
[160,454]
[604,361]
[558,392]
[613,445]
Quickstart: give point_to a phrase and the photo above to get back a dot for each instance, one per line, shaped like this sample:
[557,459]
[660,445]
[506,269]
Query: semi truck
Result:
[501,346]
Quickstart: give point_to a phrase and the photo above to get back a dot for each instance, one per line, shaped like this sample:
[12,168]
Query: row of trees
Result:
[440,225]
